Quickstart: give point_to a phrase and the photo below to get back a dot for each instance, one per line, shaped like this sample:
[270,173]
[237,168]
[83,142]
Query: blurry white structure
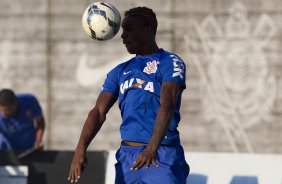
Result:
[224,168]
[239,88]
[6,72]
[88,76]
[13,174]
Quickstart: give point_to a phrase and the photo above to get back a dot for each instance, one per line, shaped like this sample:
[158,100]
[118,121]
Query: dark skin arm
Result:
[95,119]
[168,99]
[40,126]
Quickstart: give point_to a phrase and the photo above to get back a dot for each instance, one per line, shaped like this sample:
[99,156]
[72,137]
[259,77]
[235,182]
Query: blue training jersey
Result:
[4,143]
[20,129]
[137,83]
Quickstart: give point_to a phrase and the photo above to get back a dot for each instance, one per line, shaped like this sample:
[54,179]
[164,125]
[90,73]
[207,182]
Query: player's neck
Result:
[149,49]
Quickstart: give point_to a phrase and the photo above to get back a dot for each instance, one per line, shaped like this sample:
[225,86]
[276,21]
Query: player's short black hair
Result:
[145,12]
[7,97]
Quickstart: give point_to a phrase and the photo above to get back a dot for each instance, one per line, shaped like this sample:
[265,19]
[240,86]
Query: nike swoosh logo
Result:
[86,74]
[125,73]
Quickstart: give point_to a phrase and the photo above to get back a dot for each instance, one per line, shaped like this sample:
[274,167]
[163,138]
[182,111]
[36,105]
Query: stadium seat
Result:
[196,179]
[244,180]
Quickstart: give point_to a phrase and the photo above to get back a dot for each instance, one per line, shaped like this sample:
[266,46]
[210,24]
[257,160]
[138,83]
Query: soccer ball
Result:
[101,21]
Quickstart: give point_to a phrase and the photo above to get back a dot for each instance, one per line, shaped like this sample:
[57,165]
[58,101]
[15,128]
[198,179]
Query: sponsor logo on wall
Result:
[238,88]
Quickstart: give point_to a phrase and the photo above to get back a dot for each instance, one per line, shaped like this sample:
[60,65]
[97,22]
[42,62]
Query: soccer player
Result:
[148,88]
[4,143]
[21,120]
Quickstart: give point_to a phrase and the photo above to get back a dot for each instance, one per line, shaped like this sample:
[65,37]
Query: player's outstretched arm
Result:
[168,99]
[92,125]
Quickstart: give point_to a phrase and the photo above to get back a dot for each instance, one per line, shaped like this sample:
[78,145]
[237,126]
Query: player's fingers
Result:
[78,174]
[138,163]
[141,164]
[72,175]
[84,165]
[154,162]
[148,162]
[135,164]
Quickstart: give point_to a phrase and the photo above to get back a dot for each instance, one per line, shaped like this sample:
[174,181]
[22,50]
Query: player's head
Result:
[8,103]
[139,29]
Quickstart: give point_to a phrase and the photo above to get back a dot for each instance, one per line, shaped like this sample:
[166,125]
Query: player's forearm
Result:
[168,100]
[91,127]
[40,127]
[39,136]
[162,122]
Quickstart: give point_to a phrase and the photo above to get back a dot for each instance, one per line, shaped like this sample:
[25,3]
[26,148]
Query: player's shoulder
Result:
[166,55]
[26,97]
[169,58]
[119,68]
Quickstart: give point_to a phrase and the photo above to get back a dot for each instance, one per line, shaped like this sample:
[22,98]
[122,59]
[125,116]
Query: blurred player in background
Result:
[4,143]
[148,88]
[21,120]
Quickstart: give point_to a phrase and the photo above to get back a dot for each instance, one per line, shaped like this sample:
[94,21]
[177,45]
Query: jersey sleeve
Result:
[173,70]
[111,82]
[34,105]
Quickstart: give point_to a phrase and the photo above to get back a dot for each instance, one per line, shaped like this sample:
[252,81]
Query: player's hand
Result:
[37,145]
[145,158]
[78,165]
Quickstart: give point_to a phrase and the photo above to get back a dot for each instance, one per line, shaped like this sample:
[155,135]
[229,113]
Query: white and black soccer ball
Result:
[101,21]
